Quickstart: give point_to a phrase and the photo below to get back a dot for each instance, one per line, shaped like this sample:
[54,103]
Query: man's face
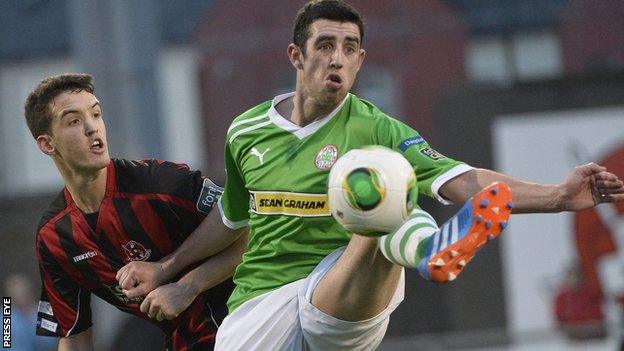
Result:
[332,59]
[78,133]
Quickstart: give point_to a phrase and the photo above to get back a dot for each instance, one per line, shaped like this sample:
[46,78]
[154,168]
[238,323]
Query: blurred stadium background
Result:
[528,87]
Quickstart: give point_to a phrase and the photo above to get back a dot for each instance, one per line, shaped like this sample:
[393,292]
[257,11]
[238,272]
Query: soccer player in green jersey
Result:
[305,282]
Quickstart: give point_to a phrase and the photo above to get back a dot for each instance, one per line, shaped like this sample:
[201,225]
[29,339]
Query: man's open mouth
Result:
[97,144]
[334,78]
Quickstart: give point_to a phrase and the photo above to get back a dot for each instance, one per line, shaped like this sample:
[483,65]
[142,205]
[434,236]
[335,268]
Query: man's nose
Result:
[336,59]
[90,126]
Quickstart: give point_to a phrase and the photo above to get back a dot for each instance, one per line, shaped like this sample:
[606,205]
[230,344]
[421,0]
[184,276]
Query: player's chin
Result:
[98,162]
[333,96]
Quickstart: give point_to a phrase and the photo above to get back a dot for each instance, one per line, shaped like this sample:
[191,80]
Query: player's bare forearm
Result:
[168,301]
[584,187]
[527,197]
[209,238]
[78,342]
[217,268]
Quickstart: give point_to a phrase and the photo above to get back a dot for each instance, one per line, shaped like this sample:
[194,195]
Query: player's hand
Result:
[139,278]
[589,185]
[168,301]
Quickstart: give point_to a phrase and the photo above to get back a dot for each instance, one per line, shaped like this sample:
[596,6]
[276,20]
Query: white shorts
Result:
[285,319]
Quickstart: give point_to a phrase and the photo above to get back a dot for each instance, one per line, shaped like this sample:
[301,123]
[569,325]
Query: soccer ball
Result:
[371,190]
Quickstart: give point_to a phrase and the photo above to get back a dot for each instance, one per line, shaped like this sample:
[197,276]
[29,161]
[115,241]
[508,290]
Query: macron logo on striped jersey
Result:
[84,256]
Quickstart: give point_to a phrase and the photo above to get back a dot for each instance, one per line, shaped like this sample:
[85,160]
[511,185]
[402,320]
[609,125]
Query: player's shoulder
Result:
[364,109]
[54,211]
[146,167]
[365,113]
[135,176]
[150,175]
[260,109]
[252,116]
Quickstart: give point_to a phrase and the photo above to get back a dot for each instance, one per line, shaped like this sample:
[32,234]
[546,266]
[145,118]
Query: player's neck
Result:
[303,109]
[87,189]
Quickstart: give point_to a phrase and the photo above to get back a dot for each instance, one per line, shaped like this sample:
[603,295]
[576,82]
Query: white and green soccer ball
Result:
[371,190]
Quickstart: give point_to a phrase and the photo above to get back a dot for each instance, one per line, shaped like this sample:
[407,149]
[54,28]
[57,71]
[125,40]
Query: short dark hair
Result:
[36,108]
[333,10]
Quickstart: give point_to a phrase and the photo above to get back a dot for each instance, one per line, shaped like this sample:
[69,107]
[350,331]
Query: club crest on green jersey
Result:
[326,157]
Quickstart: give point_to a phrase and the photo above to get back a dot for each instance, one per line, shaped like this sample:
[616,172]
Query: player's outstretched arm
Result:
[79,342]
[210,237]
[584,187]
[168,301]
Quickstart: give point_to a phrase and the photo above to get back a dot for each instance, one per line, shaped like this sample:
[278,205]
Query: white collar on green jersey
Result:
[298,131]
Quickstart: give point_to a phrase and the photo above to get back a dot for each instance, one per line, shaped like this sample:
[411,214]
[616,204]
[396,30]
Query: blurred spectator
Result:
[24,316]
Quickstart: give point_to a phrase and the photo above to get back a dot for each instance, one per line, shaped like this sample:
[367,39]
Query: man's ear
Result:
[46,144]
[295,56]
[361,58]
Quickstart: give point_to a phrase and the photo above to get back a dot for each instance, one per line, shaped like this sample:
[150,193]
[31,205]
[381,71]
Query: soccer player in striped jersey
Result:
[305,282]
[114,211]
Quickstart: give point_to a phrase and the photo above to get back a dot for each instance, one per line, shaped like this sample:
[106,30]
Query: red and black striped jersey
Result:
[149,208]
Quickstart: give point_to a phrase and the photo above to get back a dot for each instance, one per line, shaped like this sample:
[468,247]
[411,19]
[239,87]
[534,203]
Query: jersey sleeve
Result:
[179,180]
[431,167]
[234,203]
[64,307]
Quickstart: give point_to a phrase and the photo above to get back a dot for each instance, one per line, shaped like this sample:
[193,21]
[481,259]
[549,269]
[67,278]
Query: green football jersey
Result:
[277,182]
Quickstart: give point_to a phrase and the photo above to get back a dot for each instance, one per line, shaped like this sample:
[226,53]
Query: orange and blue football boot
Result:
[482,218]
